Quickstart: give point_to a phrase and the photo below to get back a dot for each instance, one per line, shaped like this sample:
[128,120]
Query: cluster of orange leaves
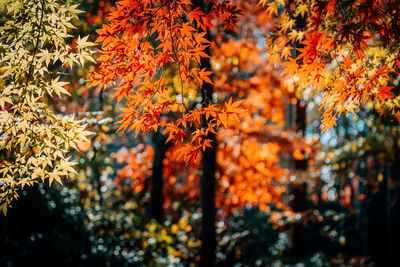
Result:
[138,169]
[142,45]
[247,176]
[348,50]
[253,152]
[248,173]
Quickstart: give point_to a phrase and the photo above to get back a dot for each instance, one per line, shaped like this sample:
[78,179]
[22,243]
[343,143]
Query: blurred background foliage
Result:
[343,212]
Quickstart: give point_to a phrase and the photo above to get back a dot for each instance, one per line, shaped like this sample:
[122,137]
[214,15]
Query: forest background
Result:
[286,111]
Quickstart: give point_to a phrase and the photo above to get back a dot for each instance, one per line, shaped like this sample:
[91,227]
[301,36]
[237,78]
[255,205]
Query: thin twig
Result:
[36,45]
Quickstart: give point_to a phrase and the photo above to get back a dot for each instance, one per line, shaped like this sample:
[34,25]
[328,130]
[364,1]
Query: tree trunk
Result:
[157,198]
[208,236]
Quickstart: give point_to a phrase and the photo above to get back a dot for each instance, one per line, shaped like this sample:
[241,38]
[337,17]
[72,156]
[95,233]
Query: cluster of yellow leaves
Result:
[34,141]
[175,240]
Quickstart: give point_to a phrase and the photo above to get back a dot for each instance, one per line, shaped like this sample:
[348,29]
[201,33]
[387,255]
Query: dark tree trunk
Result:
[208,236]
[393,205]
[157,198]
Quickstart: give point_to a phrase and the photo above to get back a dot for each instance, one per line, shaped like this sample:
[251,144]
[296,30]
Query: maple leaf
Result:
[302,9]
[382,70]
[291,67]
[203,76]
[384,93]
[195,14]
[348,61]
[206,143]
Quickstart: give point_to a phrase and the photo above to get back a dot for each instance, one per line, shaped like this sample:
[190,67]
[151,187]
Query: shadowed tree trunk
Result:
[157,198]
[393,205]
[208,236]
[299,190]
